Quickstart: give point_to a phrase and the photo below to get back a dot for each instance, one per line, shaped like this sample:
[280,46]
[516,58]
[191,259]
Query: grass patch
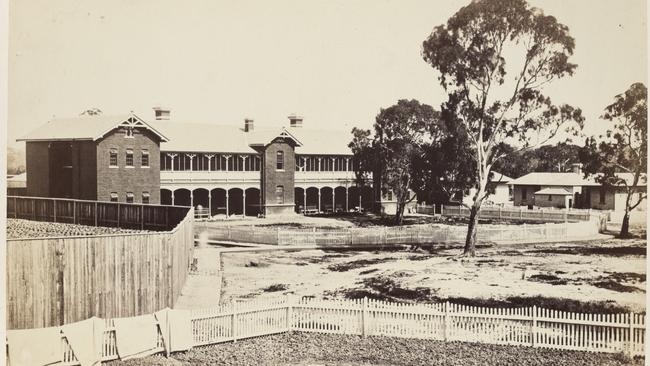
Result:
[547,278]
[347,266]
[256,264]
[615,286]
[604,251]
[368,271]
[276,287]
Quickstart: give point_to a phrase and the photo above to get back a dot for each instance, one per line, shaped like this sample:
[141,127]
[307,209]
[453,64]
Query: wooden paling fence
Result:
[96,213]
[418,234]
[529,326]
[59,280]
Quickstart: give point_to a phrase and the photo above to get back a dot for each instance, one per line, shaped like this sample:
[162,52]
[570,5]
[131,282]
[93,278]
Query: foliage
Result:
[547,158]
[91,112]
[620,158]
[15,161]
[393,152]
[491,107]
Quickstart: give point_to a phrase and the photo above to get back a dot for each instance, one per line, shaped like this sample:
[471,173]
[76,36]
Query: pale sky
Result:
[336,62]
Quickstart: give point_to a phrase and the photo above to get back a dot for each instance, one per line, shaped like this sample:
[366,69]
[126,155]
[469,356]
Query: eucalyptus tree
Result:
[494,59]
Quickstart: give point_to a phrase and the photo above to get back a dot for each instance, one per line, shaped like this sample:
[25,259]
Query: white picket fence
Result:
[546,214]
[531,326]
[400,235]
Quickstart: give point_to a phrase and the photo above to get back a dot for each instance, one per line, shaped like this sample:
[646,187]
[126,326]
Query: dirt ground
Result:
[603,275]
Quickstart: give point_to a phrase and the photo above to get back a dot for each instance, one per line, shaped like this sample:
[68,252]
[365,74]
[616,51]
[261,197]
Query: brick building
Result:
[105,158]
[223,168]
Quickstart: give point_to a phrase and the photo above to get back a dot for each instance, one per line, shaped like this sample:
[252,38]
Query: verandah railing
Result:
[529,326]
[96,213]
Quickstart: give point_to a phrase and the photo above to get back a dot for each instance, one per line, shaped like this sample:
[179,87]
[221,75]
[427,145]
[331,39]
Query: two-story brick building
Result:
[105,158]
[224,168]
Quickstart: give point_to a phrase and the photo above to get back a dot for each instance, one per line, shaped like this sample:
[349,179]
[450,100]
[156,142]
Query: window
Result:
[279,195]
[550,198]
[145,197]
[113,196]
[523,194]
[129,157]
[145,158]
[129,197]
[280,161]
[113,157]
[602,195]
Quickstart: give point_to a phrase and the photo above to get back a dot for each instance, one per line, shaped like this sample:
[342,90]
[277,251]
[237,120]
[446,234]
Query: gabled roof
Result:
[500,178]
[554,192]
[552,179]
[264,137]
[90,128]
[568,179]
[204,137]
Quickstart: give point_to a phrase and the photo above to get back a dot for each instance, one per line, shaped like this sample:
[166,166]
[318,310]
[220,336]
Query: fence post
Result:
[631,343]
[96,213]
[54,209]
[446,325]
[500,214]
[383,233]
[118,215]
[289,313]
[15,207]
[277,236]
[533,333]
[442,207]
[364,317]
[34,209]
[141,217]
[233,324]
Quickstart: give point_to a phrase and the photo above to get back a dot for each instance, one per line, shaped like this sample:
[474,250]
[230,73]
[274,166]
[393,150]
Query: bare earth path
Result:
[203,287]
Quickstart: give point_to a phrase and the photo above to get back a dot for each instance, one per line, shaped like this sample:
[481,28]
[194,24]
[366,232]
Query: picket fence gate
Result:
[529,326]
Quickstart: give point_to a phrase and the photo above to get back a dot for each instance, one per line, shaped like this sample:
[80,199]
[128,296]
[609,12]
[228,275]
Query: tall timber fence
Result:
[96,213]
[417,234]
[528,326]
[58,280]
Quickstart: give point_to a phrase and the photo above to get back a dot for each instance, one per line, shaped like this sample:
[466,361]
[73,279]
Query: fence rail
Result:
[96,213]
[511,213]
[418,234]
[54,281]
[529,326]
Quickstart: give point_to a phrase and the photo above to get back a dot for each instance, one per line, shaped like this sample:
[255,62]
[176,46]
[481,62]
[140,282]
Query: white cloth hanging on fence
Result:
[22,350]
[136,336]
[176,329]
[86,339]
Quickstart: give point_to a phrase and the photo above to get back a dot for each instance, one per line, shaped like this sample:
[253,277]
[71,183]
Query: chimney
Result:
[161,113]
[576,168]
[295,121]
[248,125]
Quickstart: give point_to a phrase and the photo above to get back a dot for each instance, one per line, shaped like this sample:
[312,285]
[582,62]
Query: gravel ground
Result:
[17,228]
[324,349]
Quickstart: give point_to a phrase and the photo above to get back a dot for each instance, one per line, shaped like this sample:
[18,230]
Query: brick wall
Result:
[122,179]
[84,171]
[38,169]
[271,178]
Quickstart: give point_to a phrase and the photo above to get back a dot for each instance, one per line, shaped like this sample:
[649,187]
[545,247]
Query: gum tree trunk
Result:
[470,241]
[625,226]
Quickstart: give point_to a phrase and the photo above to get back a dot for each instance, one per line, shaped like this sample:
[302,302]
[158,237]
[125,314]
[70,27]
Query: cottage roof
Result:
[552,179]
[568,179]
[500,178]
[86,128]
[554,192]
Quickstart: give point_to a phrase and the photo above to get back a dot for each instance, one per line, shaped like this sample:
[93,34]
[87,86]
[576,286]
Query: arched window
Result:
[279,195]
